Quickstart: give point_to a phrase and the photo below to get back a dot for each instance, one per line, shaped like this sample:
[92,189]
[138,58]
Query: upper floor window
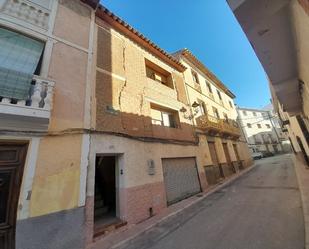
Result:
[158,74]
[254,113]
[259,126]
[216,113]
[164,116]
[231,105]
[208,87]
[20,58]
[195,77]
[268,126]
[219,94]
[202,107]
[249,125]
[265,115]
[245,113]
[226,118]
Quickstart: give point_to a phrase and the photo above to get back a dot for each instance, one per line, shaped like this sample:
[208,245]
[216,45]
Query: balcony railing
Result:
[28,11]
[37,104]
[224,127]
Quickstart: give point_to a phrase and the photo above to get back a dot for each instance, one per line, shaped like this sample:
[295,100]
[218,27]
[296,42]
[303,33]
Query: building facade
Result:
[214,118]
[278,32]
[100,130]
[262,130]
[45,55]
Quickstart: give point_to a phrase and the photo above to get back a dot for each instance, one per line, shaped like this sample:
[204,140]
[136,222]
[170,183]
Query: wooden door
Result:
[236,152]
[227,154]
[214,158]
[240,165]
[213,153]
[12,158]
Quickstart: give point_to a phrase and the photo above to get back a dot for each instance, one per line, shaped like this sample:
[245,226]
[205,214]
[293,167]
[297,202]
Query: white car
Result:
[257,155]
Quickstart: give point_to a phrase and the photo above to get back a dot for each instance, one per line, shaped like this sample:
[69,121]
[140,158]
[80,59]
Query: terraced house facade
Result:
[104,128]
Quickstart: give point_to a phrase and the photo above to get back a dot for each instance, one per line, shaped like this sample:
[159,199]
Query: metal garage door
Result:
[180,178]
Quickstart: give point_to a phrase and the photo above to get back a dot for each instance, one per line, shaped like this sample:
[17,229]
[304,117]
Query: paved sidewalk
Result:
[125,234]
[302,173]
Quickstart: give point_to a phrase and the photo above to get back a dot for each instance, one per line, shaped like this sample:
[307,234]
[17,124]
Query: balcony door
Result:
[12,158]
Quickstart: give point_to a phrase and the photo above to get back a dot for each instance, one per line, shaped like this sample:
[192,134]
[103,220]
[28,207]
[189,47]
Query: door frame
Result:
[118,170]
[16,184]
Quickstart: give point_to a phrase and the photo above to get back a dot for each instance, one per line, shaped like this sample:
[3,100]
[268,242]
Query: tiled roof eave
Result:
[136,36]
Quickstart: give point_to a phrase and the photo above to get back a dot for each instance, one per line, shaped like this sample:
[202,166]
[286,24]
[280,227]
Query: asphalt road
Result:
[260,210]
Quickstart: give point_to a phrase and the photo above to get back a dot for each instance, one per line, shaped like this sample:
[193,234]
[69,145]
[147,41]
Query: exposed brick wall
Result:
[122,89]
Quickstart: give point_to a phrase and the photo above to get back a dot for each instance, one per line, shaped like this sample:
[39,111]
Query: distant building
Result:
[278,32]
[262,130]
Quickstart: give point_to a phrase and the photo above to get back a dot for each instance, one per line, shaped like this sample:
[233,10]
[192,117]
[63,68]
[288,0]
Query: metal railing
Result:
[227,127]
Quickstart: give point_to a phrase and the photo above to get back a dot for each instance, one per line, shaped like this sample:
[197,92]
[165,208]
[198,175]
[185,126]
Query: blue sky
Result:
[209,29]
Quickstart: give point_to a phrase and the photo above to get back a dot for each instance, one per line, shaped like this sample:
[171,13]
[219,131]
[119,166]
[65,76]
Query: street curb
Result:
[205,195]
[303,198]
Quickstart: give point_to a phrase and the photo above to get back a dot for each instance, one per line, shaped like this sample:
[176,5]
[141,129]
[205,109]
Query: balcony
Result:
[36,13]
[213,125]
[230,128]
[30,113]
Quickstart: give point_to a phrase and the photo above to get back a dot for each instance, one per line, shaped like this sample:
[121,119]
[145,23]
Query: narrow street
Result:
[260,210]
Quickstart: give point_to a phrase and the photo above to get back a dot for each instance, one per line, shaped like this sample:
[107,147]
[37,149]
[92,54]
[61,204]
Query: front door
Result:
[237,156]
[214,158]
[12,158]
[228,158]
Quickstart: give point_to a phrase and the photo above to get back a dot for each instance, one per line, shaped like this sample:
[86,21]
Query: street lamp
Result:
[188,115]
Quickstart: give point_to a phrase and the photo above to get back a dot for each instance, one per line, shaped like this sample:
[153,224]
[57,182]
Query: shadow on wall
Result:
[121,90]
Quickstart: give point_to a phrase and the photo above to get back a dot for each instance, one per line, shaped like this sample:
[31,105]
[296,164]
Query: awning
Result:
[19,57]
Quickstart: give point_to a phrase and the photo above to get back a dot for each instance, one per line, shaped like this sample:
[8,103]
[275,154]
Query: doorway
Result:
[237,156]
[12,160]
[105,199]
[302,148]
[214,158]
[228,158]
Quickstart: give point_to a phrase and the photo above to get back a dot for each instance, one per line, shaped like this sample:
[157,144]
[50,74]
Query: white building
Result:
[262,130]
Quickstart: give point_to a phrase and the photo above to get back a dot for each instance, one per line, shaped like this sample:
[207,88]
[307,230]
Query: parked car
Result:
[257,155]
[267,154]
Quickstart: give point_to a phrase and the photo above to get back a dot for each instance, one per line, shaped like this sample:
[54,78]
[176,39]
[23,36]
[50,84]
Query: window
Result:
[219,94]
[202,107]
[208,87]
[231,105]
[245,113]
[20,58]
[195,77]
[226,119]
[164,116]
[254,114]
[268,126]
[158,74]
[249,125]
[259,126]
[265,115]
[216,113]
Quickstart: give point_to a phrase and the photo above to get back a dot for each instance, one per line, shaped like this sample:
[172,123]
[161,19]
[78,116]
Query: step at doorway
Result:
[106,194]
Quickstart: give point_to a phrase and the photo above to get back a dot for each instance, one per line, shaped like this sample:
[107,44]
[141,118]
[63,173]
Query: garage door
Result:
[180,178]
